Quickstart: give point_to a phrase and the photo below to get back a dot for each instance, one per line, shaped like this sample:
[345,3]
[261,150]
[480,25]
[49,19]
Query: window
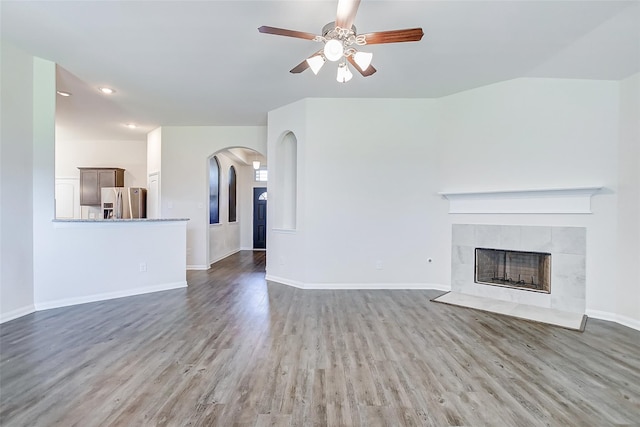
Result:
[261,175]
[214,190]
[232,195]
[262,196]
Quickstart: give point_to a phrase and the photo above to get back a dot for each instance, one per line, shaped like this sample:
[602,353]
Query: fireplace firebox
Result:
[529,271]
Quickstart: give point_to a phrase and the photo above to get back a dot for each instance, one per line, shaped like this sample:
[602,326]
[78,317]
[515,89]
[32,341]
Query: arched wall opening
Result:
[231,180]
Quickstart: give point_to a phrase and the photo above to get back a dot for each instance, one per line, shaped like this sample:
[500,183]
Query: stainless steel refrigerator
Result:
[124,202]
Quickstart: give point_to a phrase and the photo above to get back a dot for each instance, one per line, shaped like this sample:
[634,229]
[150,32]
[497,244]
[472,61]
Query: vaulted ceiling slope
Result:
[205,63]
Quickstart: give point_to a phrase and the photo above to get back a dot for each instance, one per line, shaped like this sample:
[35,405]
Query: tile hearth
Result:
[574,321]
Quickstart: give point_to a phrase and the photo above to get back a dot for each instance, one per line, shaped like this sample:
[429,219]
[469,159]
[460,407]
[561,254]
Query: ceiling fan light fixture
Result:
[344,74]
[333,50]
[363,59]
[315,63]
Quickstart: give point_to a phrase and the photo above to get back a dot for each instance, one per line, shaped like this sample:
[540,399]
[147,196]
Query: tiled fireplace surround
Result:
[567,246]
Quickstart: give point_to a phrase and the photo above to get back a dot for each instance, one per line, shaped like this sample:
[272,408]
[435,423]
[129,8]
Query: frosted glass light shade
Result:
[344,74]
[363,59]
[256,164]
[315,63]
[333,50]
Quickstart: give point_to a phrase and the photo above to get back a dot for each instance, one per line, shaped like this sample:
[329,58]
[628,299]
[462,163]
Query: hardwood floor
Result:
[233,350]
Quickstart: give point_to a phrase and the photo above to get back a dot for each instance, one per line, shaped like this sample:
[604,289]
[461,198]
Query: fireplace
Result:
[567,247]
[529,271]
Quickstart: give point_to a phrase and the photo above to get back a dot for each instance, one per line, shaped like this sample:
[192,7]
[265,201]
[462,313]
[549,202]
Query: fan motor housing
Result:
[331,26]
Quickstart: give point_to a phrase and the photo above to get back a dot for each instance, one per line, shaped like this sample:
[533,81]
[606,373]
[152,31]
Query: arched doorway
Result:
[232,178]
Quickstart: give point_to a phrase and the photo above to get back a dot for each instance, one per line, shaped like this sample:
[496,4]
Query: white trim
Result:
[109,295]
[198,267]
[14,314]
[617,318]
[386,286]
[355,286]
[228,254]
[574,200]
[285,230]
[283,281]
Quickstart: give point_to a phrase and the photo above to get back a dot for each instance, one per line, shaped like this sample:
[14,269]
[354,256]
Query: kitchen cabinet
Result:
[93,179]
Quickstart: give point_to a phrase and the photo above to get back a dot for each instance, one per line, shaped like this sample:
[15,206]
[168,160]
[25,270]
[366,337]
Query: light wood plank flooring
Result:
[232,349]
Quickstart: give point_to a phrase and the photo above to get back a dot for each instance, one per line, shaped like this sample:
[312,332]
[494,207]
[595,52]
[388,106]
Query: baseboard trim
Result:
[235,251]
[14,314]
[373,286]
[617,318]
[283,281]
[108,295]
[198,267]
[356,286]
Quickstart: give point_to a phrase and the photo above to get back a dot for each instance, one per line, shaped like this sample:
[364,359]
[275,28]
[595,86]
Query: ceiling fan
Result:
[341,41]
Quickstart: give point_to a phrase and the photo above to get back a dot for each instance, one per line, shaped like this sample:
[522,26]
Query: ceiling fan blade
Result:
[288,33]
[304,64]
[300,67]
[394,36]
[365,73]
[347,10]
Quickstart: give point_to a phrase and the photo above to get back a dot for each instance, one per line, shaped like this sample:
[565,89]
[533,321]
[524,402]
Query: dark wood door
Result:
[260,218]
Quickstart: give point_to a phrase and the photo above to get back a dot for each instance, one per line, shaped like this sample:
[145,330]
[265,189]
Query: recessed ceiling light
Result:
[62,93]
[107,90]
[131,125]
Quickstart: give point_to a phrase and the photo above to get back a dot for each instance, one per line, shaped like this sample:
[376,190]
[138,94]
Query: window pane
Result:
[261,175]
[232,194]
[214,191]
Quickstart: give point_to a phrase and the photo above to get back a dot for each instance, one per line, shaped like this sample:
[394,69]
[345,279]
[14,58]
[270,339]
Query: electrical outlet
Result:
[143,267]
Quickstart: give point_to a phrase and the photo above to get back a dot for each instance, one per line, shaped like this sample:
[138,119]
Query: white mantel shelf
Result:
[571,200]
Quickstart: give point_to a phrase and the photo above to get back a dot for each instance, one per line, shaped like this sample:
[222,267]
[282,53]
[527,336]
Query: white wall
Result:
[154,151]
[154,173]
[369,181]
[371,209]
[129,155]
[16,179]
[185,183]
[365,195]
[628,268]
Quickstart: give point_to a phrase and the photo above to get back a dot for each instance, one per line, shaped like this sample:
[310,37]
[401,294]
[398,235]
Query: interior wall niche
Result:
[286,182]
[529,271]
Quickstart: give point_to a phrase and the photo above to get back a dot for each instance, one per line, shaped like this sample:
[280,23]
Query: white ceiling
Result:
[205,63]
